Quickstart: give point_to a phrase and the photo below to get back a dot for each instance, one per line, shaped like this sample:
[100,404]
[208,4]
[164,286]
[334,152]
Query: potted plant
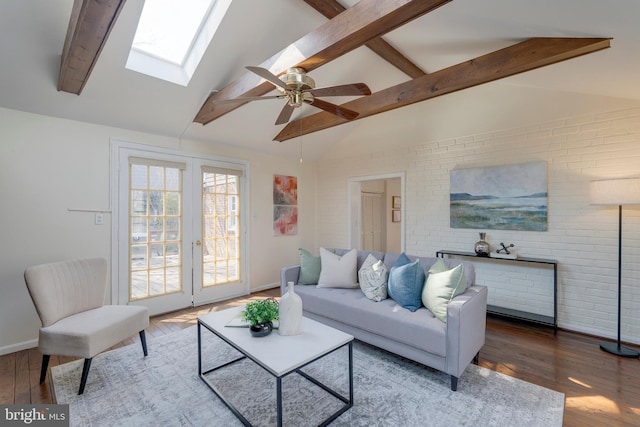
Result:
[260,316]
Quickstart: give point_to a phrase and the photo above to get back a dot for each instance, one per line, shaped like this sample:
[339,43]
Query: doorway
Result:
[375,224]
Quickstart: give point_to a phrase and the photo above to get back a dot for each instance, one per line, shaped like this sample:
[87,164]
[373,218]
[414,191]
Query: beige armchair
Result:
[69,298]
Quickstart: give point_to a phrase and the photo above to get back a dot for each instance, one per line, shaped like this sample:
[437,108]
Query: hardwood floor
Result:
[600,389]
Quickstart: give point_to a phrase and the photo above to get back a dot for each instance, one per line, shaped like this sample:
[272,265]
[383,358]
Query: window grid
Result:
[155,231]
[221,231]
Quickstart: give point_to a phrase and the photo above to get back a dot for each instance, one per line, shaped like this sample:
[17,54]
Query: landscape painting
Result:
[512,197]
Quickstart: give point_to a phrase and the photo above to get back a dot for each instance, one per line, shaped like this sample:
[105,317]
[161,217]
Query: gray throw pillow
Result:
[373,276]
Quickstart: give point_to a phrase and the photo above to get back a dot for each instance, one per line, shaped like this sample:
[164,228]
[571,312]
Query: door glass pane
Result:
[220,224]
[155,224]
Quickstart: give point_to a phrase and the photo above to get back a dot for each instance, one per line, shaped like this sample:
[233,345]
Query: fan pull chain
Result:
[300,136]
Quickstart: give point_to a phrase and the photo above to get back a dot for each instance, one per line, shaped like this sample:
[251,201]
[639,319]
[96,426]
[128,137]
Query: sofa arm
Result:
[288,274]
[466,324]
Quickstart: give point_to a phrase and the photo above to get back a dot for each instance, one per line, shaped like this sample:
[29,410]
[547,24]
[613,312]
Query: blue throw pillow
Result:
[402,260]
[406,280]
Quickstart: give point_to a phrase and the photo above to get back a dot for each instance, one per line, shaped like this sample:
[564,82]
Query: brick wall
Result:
[582,237]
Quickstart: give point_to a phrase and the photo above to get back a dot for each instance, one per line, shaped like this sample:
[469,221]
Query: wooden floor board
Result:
[600,389]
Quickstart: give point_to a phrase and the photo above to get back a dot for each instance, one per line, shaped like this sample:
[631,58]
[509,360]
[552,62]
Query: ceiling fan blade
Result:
[352,89]
[339,111]
[246,99]
[285,114]
[268,75]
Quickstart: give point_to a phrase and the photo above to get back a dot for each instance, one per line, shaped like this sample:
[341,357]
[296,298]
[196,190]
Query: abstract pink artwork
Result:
[285,190]
[285,220]
[285,209]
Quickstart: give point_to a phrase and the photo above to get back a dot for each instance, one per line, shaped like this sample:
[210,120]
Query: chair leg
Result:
[43,370]
[85,374]
[143,339]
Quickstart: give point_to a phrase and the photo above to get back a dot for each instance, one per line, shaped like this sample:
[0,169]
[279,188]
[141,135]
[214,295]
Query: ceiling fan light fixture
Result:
[297,79]
[298,88]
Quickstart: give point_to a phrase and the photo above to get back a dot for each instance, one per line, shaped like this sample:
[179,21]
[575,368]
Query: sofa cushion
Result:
[338,271]
[310,266]
[362,255]
[419,329]
[442,285]
[373,276]
[391,257]
[406,280]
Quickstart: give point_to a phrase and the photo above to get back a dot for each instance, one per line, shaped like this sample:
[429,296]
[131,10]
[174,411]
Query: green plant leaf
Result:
[261,311]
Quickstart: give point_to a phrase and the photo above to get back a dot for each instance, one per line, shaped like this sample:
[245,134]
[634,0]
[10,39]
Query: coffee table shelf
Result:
[278,355]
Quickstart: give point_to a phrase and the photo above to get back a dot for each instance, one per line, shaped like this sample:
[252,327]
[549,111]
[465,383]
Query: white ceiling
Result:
[33,33]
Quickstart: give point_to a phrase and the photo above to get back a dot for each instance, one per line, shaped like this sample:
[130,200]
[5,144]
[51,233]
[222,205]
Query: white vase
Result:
[290,316]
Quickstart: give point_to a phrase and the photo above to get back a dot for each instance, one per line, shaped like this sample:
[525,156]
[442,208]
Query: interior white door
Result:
[371,222]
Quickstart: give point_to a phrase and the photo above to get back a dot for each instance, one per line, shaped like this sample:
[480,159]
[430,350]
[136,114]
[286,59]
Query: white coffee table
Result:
[278,355]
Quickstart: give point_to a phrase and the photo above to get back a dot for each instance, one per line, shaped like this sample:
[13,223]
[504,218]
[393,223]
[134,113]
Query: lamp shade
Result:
[624,191]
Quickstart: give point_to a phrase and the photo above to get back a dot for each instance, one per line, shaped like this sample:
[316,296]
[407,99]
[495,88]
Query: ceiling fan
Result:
[298,88]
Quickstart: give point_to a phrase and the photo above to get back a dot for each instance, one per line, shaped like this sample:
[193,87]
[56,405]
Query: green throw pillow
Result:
[310,267]
[442,285]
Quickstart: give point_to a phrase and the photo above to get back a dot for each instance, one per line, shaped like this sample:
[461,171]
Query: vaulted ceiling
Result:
[410,52]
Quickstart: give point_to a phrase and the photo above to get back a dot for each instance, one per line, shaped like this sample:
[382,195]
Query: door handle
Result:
[198,243]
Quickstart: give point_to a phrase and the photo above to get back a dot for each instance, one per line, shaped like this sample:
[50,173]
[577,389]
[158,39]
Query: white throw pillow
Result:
[338,271]
[373,276]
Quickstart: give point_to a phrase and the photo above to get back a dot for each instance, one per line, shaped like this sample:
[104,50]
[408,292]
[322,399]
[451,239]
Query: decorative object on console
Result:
[512,197]
[290,312]
[504,252]
[260,315]
[618,192]
[482,248]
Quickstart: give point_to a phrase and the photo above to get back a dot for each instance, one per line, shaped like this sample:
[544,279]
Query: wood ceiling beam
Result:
[524,56]
[89,27]
[331,8]
[365,21]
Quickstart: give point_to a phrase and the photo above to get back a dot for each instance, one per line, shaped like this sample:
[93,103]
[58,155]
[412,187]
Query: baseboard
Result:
[25,345]
[265,287]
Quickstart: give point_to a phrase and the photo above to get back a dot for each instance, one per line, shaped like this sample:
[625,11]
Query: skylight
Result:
[172,37]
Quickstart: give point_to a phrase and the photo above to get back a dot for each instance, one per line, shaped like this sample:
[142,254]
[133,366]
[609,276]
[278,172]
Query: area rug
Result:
[163,389]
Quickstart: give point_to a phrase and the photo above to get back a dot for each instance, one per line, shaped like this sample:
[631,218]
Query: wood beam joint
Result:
[521,57]
[367,20]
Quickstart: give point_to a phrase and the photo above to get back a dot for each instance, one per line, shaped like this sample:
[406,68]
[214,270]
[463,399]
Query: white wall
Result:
[582,237]
[48,165]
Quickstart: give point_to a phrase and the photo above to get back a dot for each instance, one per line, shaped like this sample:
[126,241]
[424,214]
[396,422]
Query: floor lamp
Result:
[620,192]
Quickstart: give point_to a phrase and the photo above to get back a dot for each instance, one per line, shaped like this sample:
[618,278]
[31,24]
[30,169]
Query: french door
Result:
[178,229]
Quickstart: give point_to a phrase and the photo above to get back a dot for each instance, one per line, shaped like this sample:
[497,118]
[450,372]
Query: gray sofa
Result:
[419,336]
